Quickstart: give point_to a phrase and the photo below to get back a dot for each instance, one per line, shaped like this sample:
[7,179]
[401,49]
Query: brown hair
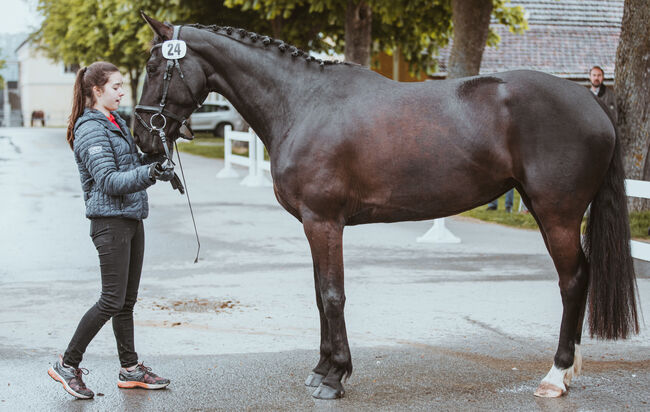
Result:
[96,74]
[599,68]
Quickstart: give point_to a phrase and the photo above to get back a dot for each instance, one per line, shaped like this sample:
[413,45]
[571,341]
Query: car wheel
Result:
[220,130]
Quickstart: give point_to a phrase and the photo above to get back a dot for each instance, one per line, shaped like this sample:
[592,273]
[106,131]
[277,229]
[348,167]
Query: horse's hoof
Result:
[548,390]
[314,379]
[326,392]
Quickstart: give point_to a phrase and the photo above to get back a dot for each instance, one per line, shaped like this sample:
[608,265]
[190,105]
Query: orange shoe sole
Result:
[142,385]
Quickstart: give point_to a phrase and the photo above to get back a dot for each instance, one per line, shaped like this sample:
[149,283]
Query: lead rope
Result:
[187,193]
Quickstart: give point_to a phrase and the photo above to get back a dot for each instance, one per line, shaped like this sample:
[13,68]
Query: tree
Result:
[417,28]
[633,90]
[471,22]
[358,32]
[302,23]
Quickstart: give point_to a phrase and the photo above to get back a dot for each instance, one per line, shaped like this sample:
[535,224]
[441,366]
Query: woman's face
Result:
[108,97]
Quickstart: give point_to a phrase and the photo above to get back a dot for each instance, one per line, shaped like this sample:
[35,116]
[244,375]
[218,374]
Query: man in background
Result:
[596,78]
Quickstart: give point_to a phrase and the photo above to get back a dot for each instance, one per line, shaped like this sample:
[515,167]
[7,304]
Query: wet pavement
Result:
[470,326]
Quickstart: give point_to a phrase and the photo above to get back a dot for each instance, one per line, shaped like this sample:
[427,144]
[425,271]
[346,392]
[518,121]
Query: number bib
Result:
[174,49]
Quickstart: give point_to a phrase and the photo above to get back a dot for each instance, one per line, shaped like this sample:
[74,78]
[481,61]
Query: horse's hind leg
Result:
[322,368]
[326,242]
[563,242]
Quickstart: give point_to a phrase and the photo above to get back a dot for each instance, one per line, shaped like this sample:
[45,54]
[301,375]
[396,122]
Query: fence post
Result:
[255,176]
[227,171]
[638,188]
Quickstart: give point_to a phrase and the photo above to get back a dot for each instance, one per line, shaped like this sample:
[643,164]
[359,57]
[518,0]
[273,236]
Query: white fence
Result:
[254,161]
[639,188]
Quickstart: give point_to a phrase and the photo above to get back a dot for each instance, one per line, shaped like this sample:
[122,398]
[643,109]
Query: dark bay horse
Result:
[348,146]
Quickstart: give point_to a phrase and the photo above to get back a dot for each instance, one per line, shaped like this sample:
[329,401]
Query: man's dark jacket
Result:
[608,97]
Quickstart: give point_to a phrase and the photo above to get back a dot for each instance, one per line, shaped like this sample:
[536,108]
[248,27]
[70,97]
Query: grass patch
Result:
[639,221]
[515,219]
[209,147]
[639,224]
[206,145]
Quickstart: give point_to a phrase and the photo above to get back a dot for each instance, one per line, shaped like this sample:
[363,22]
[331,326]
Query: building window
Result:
[71,68]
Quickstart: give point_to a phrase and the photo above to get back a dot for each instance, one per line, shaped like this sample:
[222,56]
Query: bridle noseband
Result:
[160,110]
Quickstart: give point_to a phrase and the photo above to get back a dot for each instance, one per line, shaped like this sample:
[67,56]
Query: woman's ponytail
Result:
[78,104]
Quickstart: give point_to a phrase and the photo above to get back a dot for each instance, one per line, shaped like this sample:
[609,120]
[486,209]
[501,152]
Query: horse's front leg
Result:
[326,242]
[322,368]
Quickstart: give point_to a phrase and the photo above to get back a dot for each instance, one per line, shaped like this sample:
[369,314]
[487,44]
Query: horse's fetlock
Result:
[564,360]
[341,360]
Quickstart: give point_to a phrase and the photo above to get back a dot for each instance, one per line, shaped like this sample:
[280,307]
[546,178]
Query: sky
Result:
[18,16]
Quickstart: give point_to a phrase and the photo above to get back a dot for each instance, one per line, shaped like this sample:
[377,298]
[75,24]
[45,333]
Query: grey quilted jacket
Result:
[113,177]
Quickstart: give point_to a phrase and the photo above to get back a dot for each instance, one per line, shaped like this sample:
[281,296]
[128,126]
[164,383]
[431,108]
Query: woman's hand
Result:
[158,172]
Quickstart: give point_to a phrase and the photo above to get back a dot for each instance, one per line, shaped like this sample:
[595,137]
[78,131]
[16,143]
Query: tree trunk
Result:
[277,23]
[358,24]
[633,90]
[134,80]
[471,22]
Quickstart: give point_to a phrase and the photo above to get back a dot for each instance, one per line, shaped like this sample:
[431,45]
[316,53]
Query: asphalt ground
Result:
[469,326]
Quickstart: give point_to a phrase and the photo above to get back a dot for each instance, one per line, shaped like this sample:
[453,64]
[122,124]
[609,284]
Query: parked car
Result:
[215,117]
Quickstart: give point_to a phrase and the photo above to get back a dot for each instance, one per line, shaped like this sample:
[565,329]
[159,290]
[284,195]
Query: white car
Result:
[215,117]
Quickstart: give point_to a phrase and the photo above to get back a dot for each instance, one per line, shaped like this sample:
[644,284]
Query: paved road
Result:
[471,326]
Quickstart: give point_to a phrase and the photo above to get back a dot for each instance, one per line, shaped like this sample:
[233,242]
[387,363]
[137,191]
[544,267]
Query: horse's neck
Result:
[267,87]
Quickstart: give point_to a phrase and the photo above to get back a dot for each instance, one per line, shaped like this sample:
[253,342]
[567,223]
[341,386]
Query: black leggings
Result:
[120,245]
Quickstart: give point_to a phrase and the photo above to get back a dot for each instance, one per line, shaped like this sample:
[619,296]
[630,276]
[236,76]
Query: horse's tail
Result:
[612,282]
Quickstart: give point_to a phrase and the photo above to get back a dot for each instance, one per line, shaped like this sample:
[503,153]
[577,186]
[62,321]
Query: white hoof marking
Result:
[555,382]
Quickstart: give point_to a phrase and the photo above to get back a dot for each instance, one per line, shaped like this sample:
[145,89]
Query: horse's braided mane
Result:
[266,41]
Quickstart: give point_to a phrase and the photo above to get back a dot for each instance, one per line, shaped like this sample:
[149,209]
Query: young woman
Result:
[114,179]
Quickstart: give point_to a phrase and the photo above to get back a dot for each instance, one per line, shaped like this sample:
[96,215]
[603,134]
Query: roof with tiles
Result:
[564,38]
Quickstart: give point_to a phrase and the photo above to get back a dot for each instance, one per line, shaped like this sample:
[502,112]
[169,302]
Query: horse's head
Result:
[175,85]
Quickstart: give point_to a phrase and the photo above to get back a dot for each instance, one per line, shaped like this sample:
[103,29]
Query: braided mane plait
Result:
[242,34]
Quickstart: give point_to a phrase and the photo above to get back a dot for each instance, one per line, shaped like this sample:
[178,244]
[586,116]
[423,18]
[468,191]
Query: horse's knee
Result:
[333,303]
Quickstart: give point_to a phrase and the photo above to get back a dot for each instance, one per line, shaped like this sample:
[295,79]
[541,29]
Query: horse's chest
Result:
[286,202]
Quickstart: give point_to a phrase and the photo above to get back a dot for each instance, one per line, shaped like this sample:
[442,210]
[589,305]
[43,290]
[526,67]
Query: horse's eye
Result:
[151,69]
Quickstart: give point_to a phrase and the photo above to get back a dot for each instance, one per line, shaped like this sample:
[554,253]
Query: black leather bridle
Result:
[160,111]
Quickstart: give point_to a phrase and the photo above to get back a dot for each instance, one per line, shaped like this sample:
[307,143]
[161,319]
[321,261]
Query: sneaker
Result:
[491,208]
[508,209]
[71,379]
[141,377]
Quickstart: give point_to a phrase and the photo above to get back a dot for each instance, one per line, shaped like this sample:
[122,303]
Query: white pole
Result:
[6,108]
[227,171]
[256,176]
[438,234]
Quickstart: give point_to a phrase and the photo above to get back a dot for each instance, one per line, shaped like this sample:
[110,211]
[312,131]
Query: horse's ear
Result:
[163,31]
